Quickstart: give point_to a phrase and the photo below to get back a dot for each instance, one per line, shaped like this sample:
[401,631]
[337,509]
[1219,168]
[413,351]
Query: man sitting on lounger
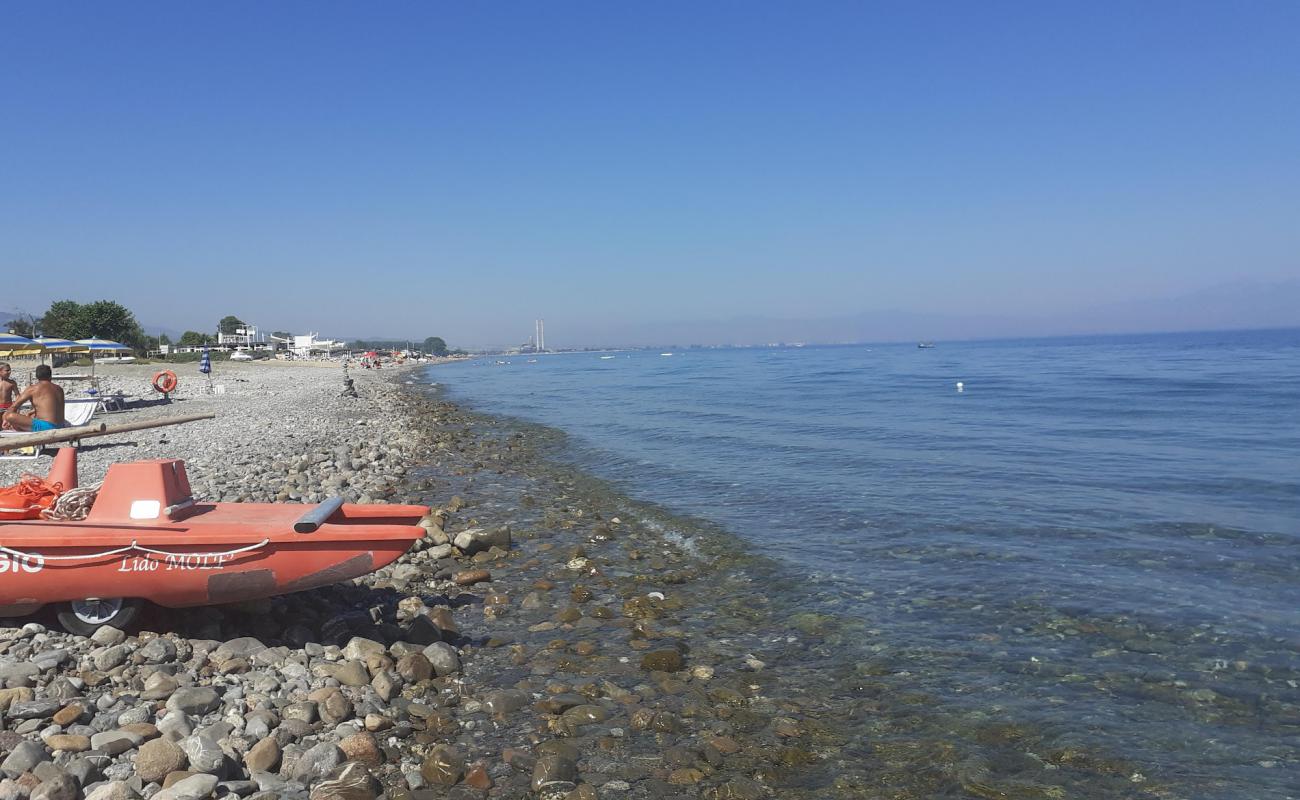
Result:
[46,398]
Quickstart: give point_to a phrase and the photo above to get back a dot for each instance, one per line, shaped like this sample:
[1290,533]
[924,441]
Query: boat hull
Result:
[219,553]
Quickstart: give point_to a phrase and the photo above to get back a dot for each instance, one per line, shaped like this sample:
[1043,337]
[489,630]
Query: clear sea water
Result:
[1101,534]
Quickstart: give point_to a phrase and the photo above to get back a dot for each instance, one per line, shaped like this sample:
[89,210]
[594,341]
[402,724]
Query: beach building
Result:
[311,344]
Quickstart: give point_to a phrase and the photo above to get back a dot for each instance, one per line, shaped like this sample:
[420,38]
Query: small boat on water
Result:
[146,538]
[925,345]
[605,358]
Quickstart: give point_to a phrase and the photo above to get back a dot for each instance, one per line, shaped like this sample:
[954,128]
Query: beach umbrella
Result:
[99,347]
[12,344]
[55,345]
[205,365]
[103,346]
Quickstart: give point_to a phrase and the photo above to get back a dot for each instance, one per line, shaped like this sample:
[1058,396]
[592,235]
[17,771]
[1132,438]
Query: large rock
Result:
[33,709]
[444,766]
[23,758]
[204,753]
[443,657]
[317,762]
[263,756]
[362,747]
[21,674]
[60,787]
[116,742]
[348,673]
[332,705]
[194,700]
[159,686]
[107,636]
[113,790]
[414,667]
[17,694]
[663,661]
[504,701]
[158,758]
[195,787]
[157,651]
[68,743]
[554,771]
[474,540]
[358,648]
[244,647]
[352,781]
[110,657]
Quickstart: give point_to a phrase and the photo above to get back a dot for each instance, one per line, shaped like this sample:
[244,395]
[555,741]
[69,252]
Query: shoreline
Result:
[552,677]
[602,658]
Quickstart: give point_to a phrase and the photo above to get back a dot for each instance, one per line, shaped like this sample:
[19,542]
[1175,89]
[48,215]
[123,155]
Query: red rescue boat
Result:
[145,538]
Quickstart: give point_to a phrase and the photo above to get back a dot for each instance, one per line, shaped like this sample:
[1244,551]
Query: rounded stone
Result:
[157,759]
[663,661]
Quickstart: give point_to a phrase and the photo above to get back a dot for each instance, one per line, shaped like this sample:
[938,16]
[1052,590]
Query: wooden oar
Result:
[87,431]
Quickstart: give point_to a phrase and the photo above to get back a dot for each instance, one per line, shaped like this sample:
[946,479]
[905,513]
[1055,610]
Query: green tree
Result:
[195,339]
[434,345]
[63,320]
[103,318]
[164,339]
[282,334]
[229,325]
[109,320]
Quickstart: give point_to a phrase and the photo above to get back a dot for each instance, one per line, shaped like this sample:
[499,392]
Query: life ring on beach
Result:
[165,382]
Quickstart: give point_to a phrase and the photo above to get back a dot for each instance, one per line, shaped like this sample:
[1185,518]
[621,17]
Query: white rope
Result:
[133,546]
[21,554]
[234,552]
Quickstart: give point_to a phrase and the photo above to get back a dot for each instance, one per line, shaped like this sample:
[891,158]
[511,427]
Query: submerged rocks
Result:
[663,661]
[444,766]
[476,540]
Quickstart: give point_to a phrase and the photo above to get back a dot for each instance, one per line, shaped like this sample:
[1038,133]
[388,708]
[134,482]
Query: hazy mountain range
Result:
[1226,306]
[1223,307]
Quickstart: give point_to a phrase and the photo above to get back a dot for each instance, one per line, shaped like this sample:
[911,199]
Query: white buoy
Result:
[961,387]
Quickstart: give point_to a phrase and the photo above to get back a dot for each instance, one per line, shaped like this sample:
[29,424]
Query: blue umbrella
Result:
[205,362]
[103,346]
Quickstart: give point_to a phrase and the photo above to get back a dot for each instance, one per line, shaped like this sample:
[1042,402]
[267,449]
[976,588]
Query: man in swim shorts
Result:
[8,388]
[46,398]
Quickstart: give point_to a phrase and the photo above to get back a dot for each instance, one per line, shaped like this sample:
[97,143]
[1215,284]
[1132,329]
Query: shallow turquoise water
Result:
[1102,533]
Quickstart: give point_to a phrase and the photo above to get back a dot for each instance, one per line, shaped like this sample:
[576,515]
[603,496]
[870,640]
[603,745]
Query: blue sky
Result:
[630,171]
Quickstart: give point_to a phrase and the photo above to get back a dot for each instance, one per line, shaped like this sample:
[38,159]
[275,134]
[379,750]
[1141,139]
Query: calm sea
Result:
[1096,532]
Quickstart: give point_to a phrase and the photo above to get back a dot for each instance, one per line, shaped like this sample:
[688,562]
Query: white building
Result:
[310,344]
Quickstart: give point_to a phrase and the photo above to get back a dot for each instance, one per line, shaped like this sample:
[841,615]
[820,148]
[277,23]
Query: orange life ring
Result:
[165,382]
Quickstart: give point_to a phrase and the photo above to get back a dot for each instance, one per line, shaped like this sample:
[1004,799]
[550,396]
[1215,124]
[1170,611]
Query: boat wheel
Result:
[84,617]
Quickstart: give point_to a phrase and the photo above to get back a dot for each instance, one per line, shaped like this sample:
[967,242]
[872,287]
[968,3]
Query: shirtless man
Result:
[46,398]
[8,388]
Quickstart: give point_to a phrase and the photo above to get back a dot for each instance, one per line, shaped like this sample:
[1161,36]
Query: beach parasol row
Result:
[12,344]
[53,345]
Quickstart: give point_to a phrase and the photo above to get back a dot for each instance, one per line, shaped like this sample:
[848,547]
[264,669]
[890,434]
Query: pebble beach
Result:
[532,645]
[548,638]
